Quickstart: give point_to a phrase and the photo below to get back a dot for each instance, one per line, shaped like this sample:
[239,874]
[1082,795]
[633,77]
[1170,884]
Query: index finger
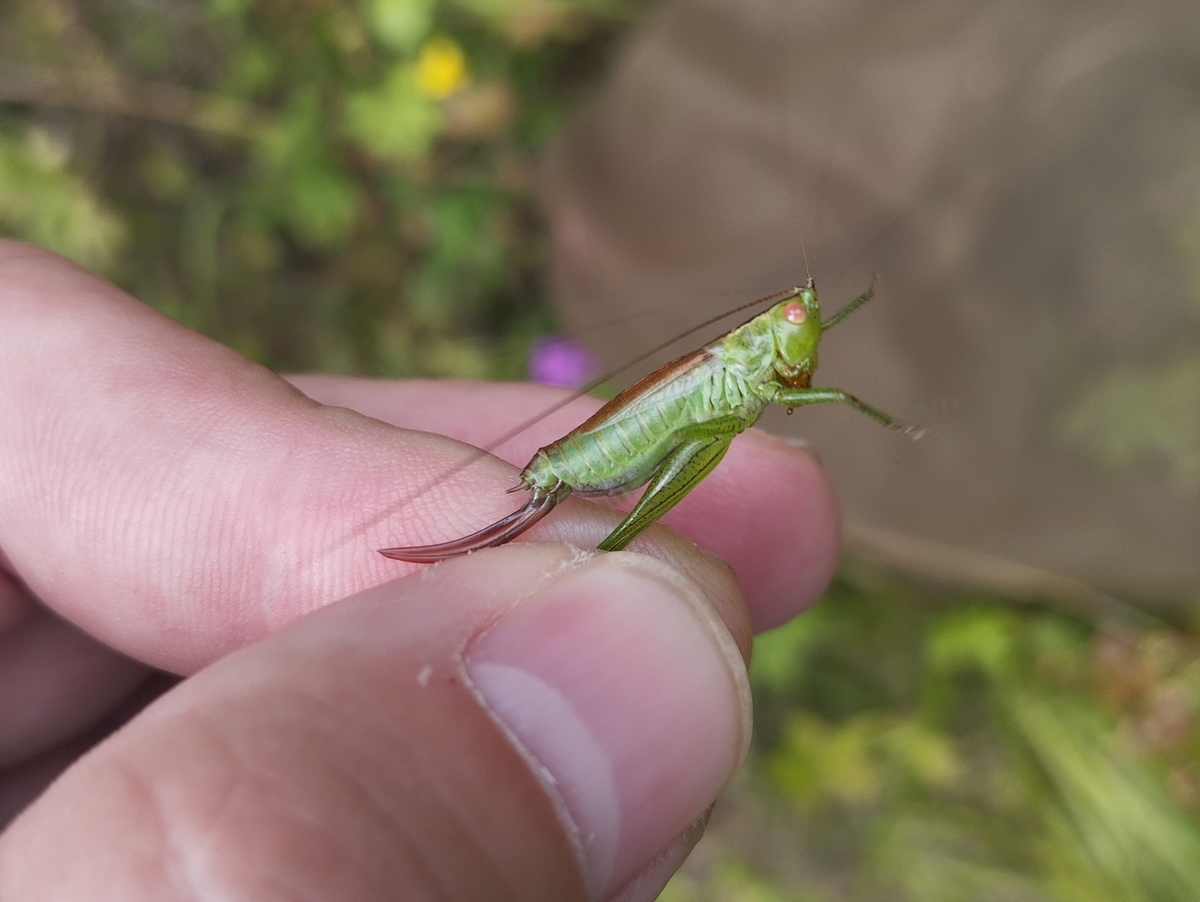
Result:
[177,501]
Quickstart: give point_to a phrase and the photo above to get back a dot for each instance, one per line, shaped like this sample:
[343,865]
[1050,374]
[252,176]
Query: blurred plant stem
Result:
[166,103]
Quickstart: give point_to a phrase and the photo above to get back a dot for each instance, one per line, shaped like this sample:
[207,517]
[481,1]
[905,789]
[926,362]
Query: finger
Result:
[523,723]
[58,688]
[55,681]
[767,509]
[177,501]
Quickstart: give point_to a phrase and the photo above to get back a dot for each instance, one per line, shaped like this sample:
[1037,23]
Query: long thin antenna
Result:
[837,124]
[785,134]
[580,392]
[657,311]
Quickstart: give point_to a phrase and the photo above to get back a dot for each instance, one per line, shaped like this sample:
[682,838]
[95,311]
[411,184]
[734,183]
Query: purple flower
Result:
[554,360]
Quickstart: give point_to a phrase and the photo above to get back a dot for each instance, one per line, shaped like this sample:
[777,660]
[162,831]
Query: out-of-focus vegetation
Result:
[915,744]
[347,186]
[341,185]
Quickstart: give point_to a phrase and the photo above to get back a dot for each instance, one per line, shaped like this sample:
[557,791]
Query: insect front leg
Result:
[798,397]
[852,306]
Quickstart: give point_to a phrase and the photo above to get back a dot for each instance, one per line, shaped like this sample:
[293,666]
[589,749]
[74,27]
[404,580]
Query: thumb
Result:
[529,722]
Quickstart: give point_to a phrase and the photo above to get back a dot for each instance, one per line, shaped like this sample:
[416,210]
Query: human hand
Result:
[528,722]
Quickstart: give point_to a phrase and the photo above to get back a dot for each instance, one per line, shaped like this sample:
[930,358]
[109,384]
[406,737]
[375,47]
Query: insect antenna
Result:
[791,93]
[521,427]
[789,150]
[657,311]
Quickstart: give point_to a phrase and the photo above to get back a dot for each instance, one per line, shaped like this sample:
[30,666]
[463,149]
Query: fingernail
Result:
[621,686]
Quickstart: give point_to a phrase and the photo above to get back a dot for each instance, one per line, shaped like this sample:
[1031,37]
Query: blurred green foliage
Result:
[916,744]
[346,186]
[1148,414]
[343,185]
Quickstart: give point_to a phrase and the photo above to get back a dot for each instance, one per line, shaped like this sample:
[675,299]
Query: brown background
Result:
[1024,176]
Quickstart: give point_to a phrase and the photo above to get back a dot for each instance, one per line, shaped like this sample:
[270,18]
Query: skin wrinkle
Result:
[28,489]
[440,513]
[283,578]
[404,831]
[467,820]
[221,520]
[256,773]
[361,532]
[93,678]
[385,735]
[304,818]
[74,502]
[189,873]
[422,773]
[70,501]
[460,808]
[60,447]
[169,859]
[432,508]
[311,574]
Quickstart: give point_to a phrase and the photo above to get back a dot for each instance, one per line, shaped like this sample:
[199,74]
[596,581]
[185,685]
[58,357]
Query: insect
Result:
[673,427]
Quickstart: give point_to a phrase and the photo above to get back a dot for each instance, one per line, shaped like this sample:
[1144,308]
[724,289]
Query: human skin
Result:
[534,721]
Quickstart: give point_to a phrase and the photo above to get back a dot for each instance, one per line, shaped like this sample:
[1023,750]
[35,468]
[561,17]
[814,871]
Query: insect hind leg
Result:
[677,476]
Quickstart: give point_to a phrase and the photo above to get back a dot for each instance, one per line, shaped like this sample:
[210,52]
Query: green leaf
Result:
[396,121]
[976,638]
[309,190]
[42,201]
[400,24]
[1116,834]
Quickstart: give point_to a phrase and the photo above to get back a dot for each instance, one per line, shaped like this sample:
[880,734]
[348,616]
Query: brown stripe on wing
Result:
[655,380]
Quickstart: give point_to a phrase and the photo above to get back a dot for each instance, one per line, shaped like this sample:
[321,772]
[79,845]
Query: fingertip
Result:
[807,531]
[620,681]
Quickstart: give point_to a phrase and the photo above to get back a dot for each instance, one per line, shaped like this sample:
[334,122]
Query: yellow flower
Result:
[441,68]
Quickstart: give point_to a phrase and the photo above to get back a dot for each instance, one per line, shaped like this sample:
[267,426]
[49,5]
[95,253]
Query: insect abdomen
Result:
[619,449]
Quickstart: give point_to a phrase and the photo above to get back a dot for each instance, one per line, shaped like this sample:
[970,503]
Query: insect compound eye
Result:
[794,313]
